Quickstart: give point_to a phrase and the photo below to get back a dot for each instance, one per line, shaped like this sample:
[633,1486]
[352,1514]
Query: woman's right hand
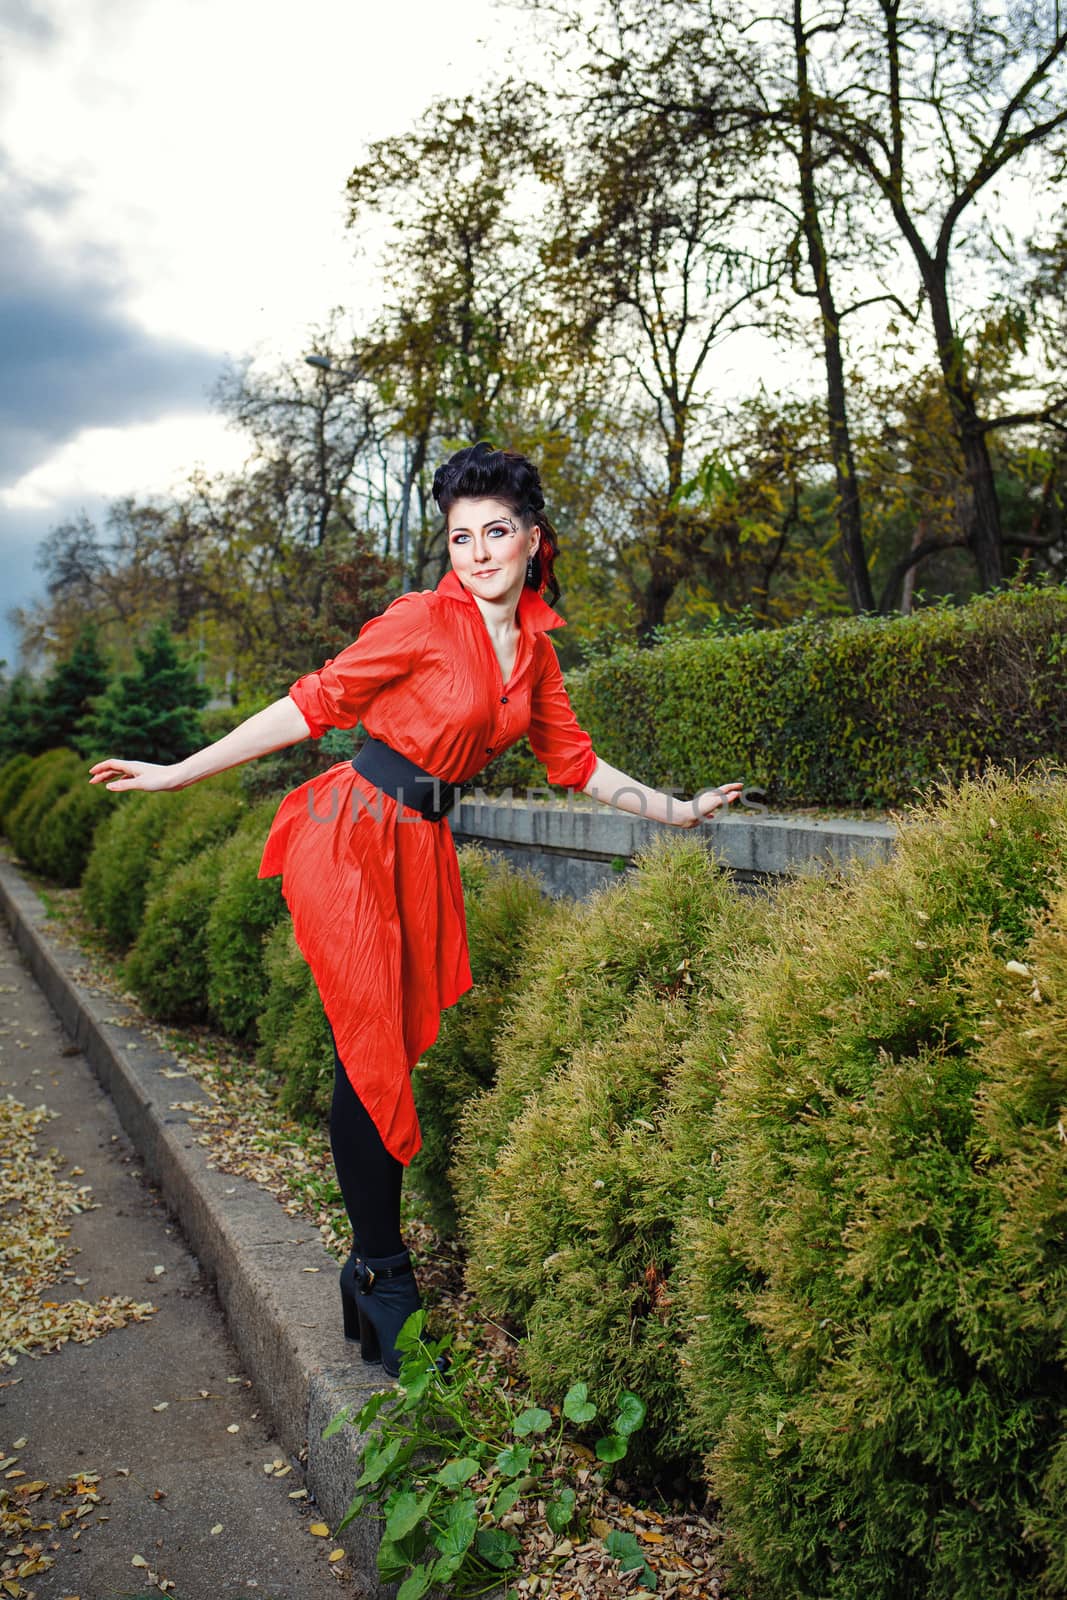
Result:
[116,774]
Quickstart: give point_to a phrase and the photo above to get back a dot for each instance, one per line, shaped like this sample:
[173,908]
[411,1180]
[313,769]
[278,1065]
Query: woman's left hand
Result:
[708,801]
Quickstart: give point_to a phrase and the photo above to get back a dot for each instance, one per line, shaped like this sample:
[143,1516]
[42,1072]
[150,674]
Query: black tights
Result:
[369,1176]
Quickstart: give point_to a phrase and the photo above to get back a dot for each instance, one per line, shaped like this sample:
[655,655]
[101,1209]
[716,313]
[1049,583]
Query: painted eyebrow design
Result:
[490,524]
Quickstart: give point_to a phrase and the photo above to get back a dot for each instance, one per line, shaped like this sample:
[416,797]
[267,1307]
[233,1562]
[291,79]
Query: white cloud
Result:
[140,459]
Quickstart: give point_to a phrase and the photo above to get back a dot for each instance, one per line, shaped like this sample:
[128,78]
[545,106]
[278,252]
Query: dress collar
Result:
[533,613]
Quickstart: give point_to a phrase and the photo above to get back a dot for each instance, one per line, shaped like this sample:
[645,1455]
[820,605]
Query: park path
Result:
[182,1484]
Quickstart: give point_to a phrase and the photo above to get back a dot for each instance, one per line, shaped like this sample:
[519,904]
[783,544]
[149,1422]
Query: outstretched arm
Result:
[273,728]
[615,788]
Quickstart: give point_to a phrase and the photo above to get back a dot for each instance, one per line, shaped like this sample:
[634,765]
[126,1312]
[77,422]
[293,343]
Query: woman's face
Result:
[489,548]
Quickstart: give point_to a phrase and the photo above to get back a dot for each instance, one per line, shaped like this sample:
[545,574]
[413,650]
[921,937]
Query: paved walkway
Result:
[168,1478]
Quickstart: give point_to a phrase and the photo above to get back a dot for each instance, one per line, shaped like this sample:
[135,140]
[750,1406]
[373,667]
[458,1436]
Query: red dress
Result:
[373,888]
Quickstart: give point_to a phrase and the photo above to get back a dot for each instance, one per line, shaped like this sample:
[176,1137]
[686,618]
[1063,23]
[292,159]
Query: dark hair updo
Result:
[481,473]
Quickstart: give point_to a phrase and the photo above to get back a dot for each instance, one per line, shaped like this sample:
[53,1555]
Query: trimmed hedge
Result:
[65,839]
[14,776]
[52,775]
[168,966]
[115,880]
[565,1212]
[201,816]
[876,1293]
[243,912]
[503,906]
[861,711]
[294,1035]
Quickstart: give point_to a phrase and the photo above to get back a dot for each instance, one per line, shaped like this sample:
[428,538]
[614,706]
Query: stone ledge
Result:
[574,847]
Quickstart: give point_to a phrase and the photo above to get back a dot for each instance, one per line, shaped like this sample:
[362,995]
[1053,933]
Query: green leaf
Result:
[631,1413]
[532,1420]
[506,1499]
[414,1381]
[558,1513]
[631,1558]
[460,1526]
[514,1460]
[577,1404]
[355,1506]
[406,1512]
[497,1546]
[446,1568]
[410,1334]
[417,1582]
[336,1423]
[377,1461]
[611,1448]
[393,1560]
[456,1472]
[369,1412]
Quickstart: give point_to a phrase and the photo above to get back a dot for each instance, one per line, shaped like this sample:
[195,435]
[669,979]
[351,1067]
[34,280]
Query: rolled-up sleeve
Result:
[556,738]
[386,648]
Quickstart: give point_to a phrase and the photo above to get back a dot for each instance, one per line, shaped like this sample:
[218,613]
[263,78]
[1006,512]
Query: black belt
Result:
[409,785]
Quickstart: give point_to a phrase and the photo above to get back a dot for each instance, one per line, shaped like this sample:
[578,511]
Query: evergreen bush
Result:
[115,881]
[569,1206]
[54,772]
[153,713]
[875,1294]
[503,906]
[295,1049]
[585,962]
[21,725]
[65,839]
[858,711]
[243,912]
[167,967]
[14,777]
[197,818]
[67,695]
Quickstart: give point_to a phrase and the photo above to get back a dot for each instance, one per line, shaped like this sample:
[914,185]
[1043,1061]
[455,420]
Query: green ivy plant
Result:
[453,1462]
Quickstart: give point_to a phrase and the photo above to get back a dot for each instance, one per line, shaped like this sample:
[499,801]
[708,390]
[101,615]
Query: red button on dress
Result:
[373,889]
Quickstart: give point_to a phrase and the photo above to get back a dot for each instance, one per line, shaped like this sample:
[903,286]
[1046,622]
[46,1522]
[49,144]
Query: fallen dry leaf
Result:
[320,1530]
[34,1200]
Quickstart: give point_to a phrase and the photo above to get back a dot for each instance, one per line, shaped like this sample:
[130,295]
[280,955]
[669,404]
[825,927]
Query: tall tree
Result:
[651,256]
[465,347]
[931,105]
[733,86]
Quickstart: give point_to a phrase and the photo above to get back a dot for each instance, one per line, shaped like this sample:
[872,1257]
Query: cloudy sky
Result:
[171,194]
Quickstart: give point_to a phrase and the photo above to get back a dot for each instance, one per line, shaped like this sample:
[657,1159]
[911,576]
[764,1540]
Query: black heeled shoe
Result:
[377,1298]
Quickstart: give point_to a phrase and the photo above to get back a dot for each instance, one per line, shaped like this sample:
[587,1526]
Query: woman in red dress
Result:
[443,680]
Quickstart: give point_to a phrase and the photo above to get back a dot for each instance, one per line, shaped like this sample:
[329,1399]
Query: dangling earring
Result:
[531,572]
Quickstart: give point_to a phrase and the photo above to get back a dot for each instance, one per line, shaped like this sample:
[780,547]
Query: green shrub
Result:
[53,774]
[503,906]
[875,1296]
[167,967]
[584,963]
[65,838]
[570,1216]
[295,1047]
[243,912]
[124,847]
[14,776]
[201,816]
[861,711]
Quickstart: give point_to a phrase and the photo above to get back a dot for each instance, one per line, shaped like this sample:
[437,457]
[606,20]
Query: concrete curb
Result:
[276,1282]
